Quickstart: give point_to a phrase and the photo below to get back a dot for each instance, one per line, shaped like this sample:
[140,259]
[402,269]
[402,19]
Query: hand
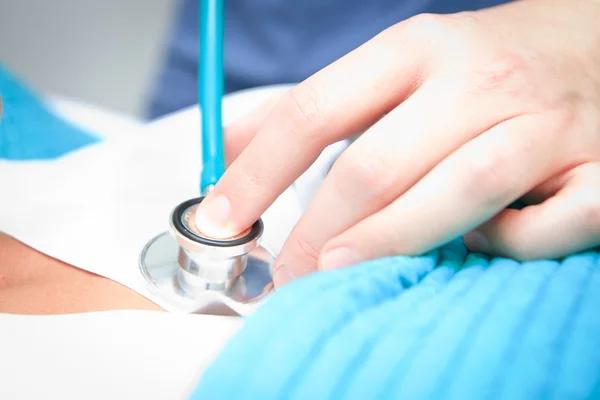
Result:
[463,115]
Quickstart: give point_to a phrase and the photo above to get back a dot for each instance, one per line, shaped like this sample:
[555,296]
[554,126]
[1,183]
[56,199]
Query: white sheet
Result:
[109,355]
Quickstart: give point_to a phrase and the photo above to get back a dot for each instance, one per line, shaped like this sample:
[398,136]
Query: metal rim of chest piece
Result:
[182,265]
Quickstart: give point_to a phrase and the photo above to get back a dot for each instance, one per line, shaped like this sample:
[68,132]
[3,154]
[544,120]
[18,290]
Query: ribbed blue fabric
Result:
[448,325]
[28,130]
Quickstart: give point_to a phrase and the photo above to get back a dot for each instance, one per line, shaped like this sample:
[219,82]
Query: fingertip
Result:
[213,217]
[476,241]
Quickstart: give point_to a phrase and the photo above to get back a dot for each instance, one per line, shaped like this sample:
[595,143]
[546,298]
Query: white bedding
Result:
[107,355]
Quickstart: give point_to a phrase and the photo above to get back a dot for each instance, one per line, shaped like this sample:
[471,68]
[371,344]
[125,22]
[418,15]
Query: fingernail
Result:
[282,275]
[337,258]
[476,241]
[212,217]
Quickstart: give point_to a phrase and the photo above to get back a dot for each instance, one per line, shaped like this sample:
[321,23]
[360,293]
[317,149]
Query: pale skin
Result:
[462,115]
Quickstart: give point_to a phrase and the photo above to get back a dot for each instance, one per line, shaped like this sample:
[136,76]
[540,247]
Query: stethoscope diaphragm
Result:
[190,272]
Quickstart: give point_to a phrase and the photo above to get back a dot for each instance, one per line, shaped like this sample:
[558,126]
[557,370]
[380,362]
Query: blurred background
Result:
[102,52]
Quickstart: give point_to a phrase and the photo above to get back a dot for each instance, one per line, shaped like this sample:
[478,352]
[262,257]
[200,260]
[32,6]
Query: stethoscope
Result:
[187,270]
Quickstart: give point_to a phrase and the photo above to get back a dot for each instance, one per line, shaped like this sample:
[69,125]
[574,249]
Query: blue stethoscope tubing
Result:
[210,91]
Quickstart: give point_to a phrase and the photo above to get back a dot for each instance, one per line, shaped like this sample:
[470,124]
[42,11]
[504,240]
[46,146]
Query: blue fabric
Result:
[448,325]
[28,130]
[270,42]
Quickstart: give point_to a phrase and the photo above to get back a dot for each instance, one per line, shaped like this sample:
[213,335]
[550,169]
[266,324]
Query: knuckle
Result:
[442,36]
[436,32]
[467,17]
[424,26]
[305,108]
[368,173]
[306,251]
[253,179]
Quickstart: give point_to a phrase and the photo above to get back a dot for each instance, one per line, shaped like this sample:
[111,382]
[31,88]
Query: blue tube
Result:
[210,90]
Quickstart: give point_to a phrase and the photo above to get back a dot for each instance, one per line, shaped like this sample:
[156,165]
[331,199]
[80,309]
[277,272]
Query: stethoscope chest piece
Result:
[191,272]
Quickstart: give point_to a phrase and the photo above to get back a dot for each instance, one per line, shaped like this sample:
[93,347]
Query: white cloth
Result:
[108,355]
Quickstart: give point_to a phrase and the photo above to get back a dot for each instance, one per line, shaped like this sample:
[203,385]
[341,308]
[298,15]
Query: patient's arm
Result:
[33,283]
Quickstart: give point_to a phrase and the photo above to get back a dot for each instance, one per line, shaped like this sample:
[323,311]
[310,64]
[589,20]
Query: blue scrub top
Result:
[276,41]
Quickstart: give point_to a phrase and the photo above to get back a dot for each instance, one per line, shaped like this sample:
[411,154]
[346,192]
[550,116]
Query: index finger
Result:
[337,102]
